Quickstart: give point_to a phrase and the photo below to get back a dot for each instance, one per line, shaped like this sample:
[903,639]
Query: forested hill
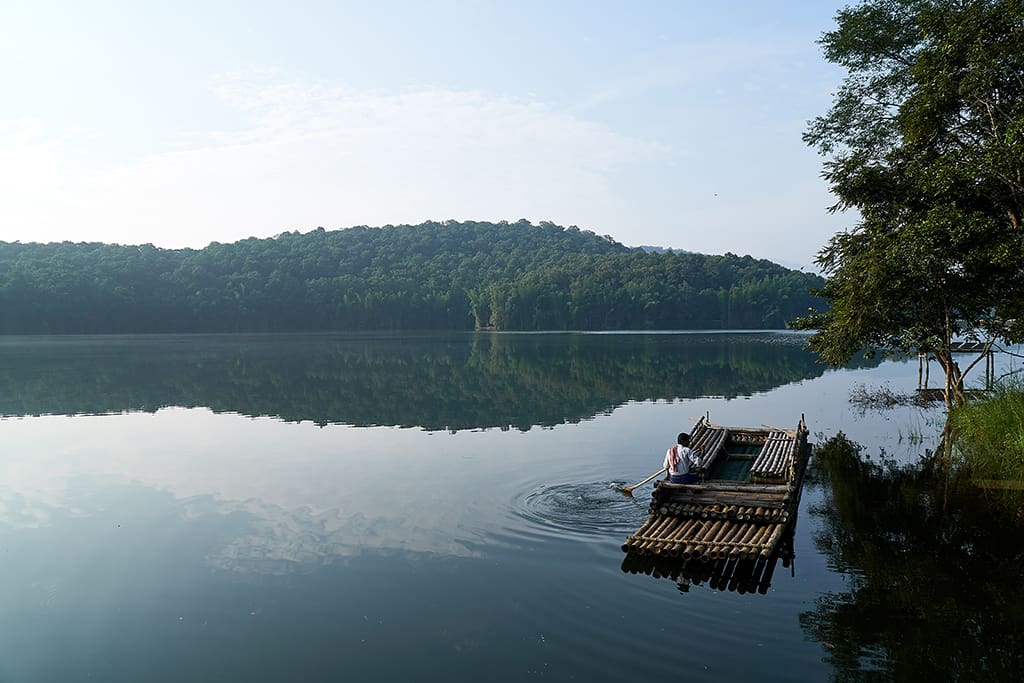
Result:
[432,276]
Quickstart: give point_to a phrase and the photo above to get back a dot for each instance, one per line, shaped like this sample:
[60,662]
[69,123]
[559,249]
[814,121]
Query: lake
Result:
[419,507]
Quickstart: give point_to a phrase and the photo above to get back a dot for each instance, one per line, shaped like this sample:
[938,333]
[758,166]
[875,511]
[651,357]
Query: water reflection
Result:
[202,542]
[436,382]
[296,497]
[276,541]
[934,571]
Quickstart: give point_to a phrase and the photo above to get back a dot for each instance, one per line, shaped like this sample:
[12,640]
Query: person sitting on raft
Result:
[679,459]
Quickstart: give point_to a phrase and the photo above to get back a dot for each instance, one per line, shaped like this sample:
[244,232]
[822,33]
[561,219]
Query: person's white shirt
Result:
[685,457]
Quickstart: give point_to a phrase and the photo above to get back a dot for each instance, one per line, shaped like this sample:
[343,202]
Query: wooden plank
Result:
[725,486]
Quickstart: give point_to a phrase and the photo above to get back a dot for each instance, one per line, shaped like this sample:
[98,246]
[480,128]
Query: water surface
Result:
[434,507]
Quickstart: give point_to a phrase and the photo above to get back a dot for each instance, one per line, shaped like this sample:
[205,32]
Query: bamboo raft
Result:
[749,491]
[741,576]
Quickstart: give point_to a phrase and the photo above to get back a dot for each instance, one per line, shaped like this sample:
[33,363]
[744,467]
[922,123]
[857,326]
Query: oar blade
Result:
[628,490]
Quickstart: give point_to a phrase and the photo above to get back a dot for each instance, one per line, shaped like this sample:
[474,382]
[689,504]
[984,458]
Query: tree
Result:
[925,138]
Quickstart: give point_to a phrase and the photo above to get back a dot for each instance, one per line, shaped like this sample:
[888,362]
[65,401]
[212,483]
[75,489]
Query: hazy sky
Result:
[180,123]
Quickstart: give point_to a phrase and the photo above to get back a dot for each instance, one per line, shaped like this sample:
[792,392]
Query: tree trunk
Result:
[953,389]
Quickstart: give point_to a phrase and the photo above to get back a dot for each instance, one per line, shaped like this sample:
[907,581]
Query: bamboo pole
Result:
[764,502]
[687,528]
[679,537]
[645,526]
[665,537]
[649,534]
[724,546]
[766,578]
[725,486]
[669,538]
[760,536]
[736,532]
[662,525]
[742,542]
[731,574]
[755,573]
[643,542]
[706,499]
[720,535]
[708,532]
[773,539]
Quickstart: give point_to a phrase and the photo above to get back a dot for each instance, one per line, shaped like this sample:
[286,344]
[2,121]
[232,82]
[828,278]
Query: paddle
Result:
[629,489]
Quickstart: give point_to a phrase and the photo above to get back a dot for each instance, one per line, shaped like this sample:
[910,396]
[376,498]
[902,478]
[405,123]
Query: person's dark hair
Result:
[683,439]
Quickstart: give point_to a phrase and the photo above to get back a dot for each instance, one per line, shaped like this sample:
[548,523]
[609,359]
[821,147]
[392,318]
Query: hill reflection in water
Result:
[433,381]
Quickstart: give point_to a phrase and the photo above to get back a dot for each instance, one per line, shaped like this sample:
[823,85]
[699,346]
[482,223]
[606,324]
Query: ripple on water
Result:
[580,510]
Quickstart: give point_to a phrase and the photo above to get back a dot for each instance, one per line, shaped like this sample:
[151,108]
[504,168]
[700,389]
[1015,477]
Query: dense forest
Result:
[450,275]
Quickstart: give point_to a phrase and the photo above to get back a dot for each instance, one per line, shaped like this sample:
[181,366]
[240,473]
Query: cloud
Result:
[30,173]
[308,495]
[312,154]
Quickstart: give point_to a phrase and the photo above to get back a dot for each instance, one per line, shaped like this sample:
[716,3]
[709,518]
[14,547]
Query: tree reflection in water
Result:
[933,568]
[435,381]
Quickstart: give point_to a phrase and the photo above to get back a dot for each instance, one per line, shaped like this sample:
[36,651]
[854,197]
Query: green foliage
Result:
[917,284]
[933,90]
[432,276]
[638,290]
[990,433]
[924,140]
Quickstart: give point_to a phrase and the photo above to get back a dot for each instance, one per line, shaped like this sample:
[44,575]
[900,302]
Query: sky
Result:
[674,124]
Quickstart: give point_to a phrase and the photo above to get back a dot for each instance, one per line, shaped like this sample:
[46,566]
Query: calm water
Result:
[436,507]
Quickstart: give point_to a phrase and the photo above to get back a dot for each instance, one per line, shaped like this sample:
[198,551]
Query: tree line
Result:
[437,275]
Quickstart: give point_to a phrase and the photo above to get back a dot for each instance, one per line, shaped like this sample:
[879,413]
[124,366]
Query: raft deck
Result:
[751,486]
[741,576]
